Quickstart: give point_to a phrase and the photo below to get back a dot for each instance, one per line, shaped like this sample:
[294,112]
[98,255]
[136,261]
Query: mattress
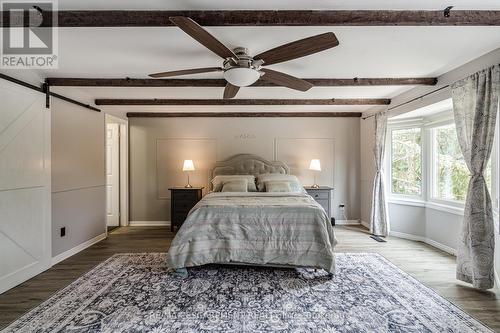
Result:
[257,228]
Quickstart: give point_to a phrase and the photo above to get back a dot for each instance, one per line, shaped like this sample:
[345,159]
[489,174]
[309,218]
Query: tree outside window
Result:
[406,163]
[451,175]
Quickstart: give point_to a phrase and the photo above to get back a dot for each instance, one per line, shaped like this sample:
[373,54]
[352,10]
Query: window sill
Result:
[407,202]
[445,208]
[427,204]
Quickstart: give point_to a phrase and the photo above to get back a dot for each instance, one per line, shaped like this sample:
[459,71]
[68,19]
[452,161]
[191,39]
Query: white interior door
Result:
[113,174]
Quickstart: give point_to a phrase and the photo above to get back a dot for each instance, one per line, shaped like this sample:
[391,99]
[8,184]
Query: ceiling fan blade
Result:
[230,91]
[196,31]
[285,80]
[186,72]
[299,48]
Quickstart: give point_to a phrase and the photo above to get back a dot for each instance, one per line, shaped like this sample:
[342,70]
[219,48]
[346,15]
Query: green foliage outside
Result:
[452,174]
[406,161]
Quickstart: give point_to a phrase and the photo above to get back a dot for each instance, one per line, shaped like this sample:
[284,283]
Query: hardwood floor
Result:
[430,266]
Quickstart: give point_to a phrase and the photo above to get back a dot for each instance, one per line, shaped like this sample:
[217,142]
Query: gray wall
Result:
[443,227]
[78,175]
[427,223]
[158,146]
[367,127]
[408,219]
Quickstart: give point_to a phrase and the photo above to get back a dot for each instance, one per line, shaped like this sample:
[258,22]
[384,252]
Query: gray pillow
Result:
[219,181]
[295,184]
[237,185]
[278,186]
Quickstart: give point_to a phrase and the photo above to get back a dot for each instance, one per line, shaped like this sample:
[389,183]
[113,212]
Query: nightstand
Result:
[181,201]
[323,196]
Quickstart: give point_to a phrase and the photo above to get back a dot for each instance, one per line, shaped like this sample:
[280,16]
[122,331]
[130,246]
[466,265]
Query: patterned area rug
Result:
[134,293]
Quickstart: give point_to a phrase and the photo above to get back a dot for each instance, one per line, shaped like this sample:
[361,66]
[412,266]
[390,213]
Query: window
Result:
[406,161]
[450,173]
[426,167]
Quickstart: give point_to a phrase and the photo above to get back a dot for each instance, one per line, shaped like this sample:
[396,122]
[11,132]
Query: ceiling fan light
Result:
[241,76]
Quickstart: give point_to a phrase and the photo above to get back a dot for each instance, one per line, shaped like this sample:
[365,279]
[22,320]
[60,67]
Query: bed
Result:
[254,228]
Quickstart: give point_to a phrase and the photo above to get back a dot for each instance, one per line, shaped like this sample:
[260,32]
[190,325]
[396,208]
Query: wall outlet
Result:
[63,231]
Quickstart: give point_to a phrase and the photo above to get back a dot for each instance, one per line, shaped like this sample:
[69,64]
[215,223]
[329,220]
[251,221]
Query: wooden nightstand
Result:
[323,196]
[182,200]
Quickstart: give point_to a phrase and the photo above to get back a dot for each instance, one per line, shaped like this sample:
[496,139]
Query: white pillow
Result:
[219,181]
[239,185]
[295,184]
[278,186]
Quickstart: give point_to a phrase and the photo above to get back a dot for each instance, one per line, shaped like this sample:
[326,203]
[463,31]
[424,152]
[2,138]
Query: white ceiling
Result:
[363,51]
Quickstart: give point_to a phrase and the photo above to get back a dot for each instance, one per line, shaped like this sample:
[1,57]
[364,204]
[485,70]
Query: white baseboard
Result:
[407,236]
[148,223]
[66,254]
[440,246]
[426,240]
[365,224]
[347,222]
[23,274]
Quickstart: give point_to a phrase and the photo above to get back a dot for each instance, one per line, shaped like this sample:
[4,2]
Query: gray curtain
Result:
[475,107]
[379,223]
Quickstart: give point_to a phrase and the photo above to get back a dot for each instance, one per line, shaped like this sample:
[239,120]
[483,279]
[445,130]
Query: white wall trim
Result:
[407,236]
[365,224]
[428,204]
[440,246]
[148,223]
[22,274]
[71,252]
[426,240]
[347,222]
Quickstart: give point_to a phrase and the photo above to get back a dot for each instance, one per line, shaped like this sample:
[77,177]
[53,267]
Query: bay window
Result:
[426,166]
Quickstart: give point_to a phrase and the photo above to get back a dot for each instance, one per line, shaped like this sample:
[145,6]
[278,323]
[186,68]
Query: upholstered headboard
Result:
[248,164]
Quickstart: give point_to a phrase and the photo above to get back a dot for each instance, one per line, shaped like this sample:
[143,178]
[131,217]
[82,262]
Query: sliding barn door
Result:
[25,206]
[113,174]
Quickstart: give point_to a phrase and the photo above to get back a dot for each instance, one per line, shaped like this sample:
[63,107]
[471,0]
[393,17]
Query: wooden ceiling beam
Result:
[157,18]
[333,101]
[240,114]
[128,82]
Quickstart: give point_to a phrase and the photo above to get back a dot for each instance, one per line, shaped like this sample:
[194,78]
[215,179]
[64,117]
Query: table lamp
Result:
[315,166]
[188,166]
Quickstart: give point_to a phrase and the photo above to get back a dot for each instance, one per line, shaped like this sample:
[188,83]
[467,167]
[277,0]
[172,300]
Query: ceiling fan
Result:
[242,70]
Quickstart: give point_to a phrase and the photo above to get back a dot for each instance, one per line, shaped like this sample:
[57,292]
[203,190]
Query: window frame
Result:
[432,151]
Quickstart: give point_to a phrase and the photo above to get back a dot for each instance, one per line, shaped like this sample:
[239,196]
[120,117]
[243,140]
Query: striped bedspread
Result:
[255,228]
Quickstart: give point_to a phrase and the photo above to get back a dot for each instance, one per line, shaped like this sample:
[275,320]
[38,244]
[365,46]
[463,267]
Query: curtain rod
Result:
[410,101]
[45,91]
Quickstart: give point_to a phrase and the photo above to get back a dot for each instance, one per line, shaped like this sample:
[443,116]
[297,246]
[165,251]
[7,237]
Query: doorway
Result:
[116,172]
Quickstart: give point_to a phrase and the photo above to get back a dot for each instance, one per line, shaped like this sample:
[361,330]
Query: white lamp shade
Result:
[315,165]
[241,76]
[188,165]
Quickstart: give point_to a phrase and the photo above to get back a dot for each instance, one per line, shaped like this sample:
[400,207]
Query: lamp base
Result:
[315,186]
[188,186]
